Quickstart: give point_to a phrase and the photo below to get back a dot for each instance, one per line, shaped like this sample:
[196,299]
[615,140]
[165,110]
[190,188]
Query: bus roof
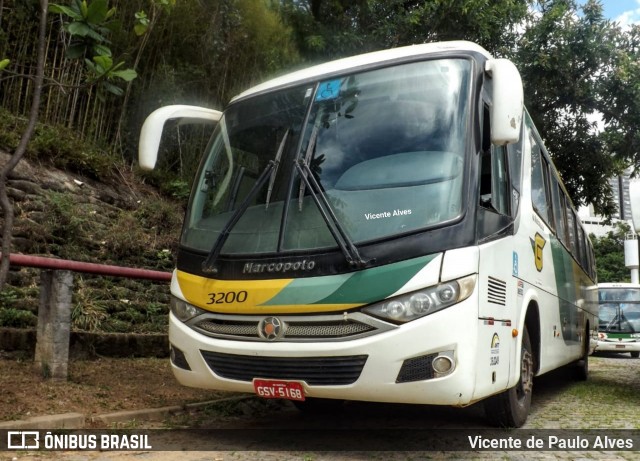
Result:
[362,60]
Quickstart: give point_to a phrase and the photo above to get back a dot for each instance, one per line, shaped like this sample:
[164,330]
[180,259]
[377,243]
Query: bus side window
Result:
[592,261]
[571,228]
[515,173]
[539,180]
[494,177]
[582,238]
[557,198]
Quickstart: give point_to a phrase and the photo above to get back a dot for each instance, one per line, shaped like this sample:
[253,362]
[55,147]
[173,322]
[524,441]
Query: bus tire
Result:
[635,354]
[511,407]
[581,370]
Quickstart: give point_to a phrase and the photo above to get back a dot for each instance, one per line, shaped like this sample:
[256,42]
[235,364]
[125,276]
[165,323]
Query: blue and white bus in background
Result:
[619,318]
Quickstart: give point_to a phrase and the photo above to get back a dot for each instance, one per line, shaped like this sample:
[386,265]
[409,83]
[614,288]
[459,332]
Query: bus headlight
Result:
[183,310]
[414,305]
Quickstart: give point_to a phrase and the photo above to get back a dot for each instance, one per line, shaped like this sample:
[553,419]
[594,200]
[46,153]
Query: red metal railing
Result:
[90,268]
[52,344]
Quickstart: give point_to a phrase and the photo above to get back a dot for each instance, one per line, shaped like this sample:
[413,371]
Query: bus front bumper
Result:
[387,356]
[615,345]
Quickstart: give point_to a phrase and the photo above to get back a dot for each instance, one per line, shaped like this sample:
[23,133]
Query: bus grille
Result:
[298,328]
[316,371]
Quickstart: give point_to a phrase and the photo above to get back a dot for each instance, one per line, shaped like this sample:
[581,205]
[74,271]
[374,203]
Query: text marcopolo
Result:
[256,268]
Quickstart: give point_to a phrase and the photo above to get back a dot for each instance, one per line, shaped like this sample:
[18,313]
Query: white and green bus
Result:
[619,318]
[387,227]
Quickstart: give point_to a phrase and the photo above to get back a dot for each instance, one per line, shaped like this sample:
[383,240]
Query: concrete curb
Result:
[158,414]
[63,421]
[79,420]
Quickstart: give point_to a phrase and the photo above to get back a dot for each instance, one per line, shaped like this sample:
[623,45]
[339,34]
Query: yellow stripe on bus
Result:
[244,296]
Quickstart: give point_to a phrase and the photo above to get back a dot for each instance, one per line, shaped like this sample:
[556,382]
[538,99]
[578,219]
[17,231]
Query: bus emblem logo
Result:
[271,328]
[495,350]
[537,245]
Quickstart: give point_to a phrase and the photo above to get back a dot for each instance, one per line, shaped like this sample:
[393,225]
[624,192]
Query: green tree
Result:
[609,253]
[5,203]
[336,28]
[87,26]
[619,94]
[576,66]
[565,59]
[204,53]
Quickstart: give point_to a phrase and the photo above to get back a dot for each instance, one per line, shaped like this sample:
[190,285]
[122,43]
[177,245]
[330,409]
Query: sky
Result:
[625,12]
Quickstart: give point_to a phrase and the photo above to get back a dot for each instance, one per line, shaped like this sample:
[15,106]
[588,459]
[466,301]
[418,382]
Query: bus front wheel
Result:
[635,354]
[511,407]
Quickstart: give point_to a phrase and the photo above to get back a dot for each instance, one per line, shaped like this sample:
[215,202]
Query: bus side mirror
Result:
[508,101]
[151,131]
[634,198]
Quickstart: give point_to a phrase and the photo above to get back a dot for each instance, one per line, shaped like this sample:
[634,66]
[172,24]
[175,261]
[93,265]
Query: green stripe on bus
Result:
[378,283]
[307,290]
[564,271]
[361,287]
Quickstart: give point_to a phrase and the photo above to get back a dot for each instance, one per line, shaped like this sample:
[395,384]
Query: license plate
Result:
[271,389]
[620,346]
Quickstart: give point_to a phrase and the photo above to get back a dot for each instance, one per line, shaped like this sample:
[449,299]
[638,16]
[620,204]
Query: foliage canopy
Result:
[581,75]
[581,71]
[609,252]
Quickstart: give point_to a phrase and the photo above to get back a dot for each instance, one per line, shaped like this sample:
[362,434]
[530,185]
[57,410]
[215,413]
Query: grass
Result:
[113,217]
[603,390]
[69,230]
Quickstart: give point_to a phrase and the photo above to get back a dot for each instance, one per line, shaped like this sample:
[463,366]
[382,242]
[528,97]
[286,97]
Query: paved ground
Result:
[609,399]
[608,402]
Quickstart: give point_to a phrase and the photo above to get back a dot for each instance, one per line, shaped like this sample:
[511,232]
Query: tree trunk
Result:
[5,203]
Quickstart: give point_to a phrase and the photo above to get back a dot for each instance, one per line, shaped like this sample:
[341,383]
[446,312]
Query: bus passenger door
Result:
[497,210]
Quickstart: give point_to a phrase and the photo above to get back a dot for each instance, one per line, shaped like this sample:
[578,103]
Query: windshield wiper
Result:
[348,248]
[611,323]
[275,169]
[307,160]
[623,318]
[270,171]
[207,265]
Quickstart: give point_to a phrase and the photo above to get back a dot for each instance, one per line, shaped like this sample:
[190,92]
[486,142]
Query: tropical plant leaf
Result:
[103,63]
[102,50]
[84,8]
[113,89]
[127,74]
[140,29]
[61,9]
[76,50]
[79,28]
[97,12]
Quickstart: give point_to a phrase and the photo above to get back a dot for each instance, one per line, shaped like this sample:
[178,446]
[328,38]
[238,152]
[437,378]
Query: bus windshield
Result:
[619,310]
[384,149]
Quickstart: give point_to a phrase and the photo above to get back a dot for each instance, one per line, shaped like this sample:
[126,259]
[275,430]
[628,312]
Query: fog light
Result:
[178,358]
[442,364]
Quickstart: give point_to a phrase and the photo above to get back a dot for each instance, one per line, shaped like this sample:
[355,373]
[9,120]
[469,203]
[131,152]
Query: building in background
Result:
[621,195]
[595,224]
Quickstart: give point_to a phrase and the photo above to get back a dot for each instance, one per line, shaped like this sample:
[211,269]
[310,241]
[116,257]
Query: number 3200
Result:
[227,297]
